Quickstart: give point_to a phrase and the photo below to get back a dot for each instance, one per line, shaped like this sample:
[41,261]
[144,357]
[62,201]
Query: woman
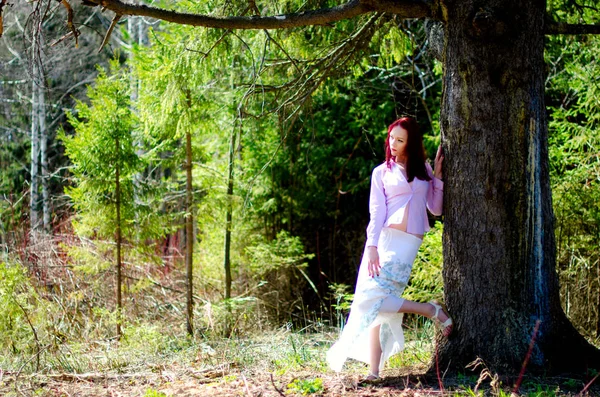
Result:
[401,190]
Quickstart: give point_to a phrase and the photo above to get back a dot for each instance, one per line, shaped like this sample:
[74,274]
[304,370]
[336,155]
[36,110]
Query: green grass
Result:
[283,353]
[280,351]
[418,338]
[306,386]
[154,393]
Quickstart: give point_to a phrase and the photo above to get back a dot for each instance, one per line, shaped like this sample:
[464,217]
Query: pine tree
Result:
[105,163]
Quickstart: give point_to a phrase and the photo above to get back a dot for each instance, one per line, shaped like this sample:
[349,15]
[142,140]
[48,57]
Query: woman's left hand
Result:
[439,159]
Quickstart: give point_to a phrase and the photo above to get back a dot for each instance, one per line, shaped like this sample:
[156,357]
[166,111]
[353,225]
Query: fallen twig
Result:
[588,385]
[36,355]
[275,387]
[94,377]
[209,374]
[246,386]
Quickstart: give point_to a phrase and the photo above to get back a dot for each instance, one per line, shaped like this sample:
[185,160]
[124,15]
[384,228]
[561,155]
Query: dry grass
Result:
[280,363]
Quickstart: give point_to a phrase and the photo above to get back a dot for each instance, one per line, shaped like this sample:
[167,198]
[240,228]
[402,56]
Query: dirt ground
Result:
[228,381]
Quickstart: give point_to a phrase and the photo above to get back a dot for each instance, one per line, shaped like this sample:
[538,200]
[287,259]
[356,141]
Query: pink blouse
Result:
[390,195]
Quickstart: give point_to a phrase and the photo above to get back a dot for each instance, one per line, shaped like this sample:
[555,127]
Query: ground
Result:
[231,380]
[189,382]
[149,363]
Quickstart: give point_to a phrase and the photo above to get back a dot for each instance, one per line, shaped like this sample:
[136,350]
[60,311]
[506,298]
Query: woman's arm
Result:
[378,211]
[377,207]
[435,195]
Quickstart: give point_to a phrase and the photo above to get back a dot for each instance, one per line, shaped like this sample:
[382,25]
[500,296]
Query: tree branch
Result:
[70,24]
[2,4]
[109,31]
[353,8]
[565,28]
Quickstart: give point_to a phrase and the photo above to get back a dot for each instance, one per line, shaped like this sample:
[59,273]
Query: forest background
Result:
[244,165]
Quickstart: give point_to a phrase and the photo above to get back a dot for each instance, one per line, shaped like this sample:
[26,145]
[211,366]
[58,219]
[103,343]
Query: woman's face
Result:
[398,139]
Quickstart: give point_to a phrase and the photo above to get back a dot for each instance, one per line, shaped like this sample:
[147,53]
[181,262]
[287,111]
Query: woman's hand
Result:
[373,257]
[439,159]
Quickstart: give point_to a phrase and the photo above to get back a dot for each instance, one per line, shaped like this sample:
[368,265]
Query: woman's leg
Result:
[406,306]
[375,350]
[424,309]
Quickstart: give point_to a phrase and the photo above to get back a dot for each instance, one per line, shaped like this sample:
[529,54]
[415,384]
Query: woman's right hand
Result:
[373,258]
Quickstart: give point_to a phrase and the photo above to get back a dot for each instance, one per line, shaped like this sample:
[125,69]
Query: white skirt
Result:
[377,301]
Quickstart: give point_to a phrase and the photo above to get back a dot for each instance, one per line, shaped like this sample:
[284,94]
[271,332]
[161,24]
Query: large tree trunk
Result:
[498,235]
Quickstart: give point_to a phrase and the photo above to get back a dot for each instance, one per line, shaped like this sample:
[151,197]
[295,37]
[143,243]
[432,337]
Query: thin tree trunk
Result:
[43,136]
[499,243]
[34,199]
[227,249]
[118,235]
[189,234]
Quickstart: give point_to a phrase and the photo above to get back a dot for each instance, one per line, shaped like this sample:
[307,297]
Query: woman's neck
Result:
[401,160]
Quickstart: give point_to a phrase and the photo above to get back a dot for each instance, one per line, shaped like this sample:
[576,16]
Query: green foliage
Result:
[418,347]
[186,88]
[237,315]
[574,138]
[104,141]
[341,295]
[426,281]
[148,337]
[279,270]
[299,353]
[154,393]
[13,154]
[308,140]
[306,386]
[284,252]
[17,301]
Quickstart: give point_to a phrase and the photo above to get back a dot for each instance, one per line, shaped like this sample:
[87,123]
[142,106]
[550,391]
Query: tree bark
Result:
[353,8]
[499,247]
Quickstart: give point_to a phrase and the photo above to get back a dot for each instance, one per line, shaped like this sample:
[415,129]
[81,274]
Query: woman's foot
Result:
[441,318]
[371,378]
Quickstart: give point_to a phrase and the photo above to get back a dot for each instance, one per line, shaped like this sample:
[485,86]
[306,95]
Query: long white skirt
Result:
[377,301]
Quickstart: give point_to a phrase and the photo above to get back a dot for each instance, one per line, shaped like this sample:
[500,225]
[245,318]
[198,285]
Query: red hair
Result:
[415,152]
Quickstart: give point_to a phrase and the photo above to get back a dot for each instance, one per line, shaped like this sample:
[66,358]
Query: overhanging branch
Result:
[353,8]
[565,28]
[2,4]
